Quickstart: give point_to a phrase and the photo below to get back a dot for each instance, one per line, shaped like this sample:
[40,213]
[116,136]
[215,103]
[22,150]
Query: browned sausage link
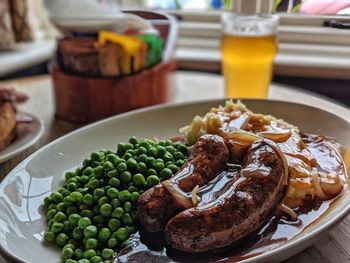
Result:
[237,212]
[208,157]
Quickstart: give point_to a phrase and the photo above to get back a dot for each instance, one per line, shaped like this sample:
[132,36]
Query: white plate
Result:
[27,135]
[22,192]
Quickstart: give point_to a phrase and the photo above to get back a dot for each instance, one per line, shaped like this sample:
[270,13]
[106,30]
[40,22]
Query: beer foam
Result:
[249,25]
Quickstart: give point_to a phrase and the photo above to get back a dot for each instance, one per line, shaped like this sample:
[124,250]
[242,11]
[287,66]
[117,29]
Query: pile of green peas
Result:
[94,213]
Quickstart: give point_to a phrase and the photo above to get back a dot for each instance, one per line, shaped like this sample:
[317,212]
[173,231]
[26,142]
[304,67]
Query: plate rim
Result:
[261,257]
[35,139]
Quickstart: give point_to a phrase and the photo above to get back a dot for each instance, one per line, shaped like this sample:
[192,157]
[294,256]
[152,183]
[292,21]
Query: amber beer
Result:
[248,49]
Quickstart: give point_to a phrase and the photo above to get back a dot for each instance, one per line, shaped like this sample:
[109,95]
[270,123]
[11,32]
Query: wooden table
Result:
[185,86]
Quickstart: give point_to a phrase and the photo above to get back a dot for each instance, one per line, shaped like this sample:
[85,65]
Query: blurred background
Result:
[313,40]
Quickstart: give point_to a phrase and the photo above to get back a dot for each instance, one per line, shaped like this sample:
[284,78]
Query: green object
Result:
[95,259]
[84,222]
[152,180]
[106,210]
[126,177]
[107,253]
[139,180]
[114,224]
[49,236]
[104,234]
[122,234]
[165,174]
[89,253]
[61,239]
[91,243]
[57,227]
[90,231]
[154,48]
[67,253]
[117,213]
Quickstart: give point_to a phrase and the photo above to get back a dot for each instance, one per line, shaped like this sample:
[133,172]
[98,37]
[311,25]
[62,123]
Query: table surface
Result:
[185,86]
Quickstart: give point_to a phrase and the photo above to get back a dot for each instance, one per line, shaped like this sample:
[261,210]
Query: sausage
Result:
[240,210]
[157,205]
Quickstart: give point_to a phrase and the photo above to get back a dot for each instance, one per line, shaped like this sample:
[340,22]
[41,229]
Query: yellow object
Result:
[247,64]
[135,50]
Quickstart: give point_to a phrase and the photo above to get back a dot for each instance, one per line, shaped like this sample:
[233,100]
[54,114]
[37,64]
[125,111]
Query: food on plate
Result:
[239,209]
[93,214]
[208,157]
[8,121]
[235,181]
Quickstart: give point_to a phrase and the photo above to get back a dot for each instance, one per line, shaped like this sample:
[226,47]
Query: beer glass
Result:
[248,48]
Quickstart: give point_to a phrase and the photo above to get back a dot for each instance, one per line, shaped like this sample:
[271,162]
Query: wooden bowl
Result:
[83,99]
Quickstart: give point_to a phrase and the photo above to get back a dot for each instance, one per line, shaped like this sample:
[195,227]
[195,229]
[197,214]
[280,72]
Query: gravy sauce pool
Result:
[151,247]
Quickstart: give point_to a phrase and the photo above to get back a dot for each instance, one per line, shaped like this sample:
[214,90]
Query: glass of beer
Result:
[248,49]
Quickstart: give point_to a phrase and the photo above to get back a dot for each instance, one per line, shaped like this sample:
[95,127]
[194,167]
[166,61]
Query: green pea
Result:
[112,192]
[62,239]
[159,166]
[139,180]
[127,207]
[96,259]
[76,197]
[133,140]
[179,162]
[57,197]
[122,167]
[152,180]
[142,158]
[115,202]
[117,213]
[88,199]
[126,219]
[89,253]
[127,156]
[152,151]
[151,171]
[123,196]
[103,200]
[131,163]
[125,177]
[112,158]
[59,217]
[112,173]
[98,171]
[51,206]
[134,196]
[182,148]
[83,179]
[98,193]
[108,166]
[151,161]
[99,219]
[145,143]
[132,189]
[84,222]
[122,234]
[90,231]
[141,150]
[161,151]
[78,171]
[87,171]
[113,243]
[66,226]
[141,167]
[84,260]
[50,223]
[87,213]
[170,149]
[168,157]
[104,234]
[106,210]
[78,253]
[114,224]
[67,201]
[179,155]
[47,201]
[71,180]
[173,168]
[77,233]
[57,227]
[114,182]
[121,148]
[86,162]
[165,174]
[73,209]
[107,253]
[91,243]
[70,261]
[74,219]
[93,184]
[51,213]
[131,230]
[49,236]
[97,156]
[69,175]
[67,253]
